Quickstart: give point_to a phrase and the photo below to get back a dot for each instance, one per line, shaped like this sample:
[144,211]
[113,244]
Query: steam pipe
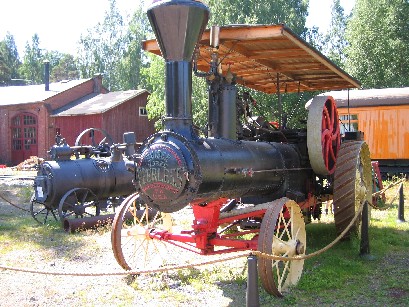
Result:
[78,224]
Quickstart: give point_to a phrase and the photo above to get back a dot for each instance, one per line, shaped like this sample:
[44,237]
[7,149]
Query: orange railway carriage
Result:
[383,116]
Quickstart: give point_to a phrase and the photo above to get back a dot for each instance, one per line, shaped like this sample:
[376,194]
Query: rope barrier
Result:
[131,272]
[11,203]
[387,206]
[165,269]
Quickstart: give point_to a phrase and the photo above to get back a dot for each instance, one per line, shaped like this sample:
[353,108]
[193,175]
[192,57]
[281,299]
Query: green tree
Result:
[5,72]
[293,13]
[32,66]
[134,59]
[153,79]
[103,47]
[378,33]
[9,60]
[62,65]
[12,57]
[335,42]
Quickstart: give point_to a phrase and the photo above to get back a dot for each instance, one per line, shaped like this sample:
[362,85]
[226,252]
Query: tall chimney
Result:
[47,75]
[178,25]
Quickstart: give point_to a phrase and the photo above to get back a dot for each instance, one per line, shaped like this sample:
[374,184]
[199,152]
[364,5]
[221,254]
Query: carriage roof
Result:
[371,97]
[261,55]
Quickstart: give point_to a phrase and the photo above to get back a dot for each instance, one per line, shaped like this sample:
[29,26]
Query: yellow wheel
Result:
[352,184]
[132,245]
[282,233]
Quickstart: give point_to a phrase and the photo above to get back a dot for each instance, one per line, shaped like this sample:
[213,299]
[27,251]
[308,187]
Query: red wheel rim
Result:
[330,135]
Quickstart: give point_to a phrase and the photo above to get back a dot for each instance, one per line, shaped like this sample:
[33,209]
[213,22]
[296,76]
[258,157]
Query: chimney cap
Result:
[178,26]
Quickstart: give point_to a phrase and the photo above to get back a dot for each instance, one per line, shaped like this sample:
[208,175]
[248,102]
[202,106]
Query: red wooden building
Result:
[31,116]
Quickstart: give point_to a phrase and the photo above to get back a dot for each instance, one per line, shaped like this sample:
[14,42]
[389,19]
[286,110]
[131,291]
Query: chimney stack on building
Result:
[47,75]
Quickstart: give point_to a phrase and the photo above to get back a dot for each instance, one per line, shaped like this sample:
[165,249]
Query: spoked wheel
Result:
[78,203]
[41,213]
[282,233]
[323,134]
[352,184]
[130,237]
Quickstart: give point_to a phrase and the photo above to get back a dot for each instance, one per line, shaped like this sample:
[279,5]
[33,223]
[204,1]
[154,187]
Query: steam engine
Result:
[105,173]
[233,159]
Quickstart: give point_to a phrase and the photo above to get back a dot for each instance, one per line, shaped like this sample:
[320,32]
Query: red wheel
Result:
[323,136]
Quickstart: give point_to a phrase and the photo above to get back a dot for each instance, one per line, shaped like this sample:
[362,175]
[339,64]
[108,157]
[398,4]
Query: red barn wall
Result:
[125,118]
[71,126]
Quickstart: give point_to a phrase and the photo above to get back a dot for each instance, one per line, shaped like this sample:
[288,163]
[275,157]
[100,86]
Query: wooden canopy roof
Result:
[262,56]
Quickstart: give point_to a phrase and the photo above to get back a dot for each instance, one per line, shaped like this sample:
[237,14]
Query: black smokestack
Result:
[47,75]
[178,25]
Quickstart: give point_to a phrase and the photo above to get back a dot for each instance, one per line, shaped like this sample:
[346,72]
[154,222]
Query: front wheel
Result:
[131,242]
[282,233]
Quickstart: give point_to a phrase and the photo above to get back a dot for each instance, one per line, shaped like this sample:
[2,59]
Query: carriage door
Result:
[23,137]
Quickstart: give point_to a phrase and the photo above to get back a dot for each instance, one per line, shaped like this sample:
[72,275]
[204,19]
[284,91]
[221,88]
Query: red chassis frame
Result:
[203,237]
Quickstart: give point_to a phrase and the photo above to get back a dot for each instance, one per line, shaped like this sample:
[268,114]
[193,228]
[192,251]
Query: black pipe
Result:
[46,75]
[252,295]
[178,95]
[364,248]
[401,208]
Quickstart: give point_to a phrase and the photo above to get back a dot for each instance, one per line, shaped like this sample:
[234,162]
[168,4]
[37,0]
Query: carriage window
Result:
[143,111]
[349,122]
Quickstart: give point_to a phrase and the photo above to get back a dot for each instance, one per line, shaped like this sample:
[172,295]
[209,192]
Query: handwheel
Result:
[130,237]
[352,184]
[78,203]
[282,233]
[101,148]
[323,135]
[41,214]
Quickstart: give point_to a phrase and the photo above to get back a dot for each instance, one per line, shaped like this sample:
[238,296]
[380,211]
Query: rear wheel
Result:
[352,184]
[78,203]
[323,135]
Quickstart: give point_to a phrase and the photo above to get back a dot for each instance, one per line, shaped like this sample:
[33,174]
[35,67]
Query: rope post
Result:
[364,249]
[401,208]
[252,296]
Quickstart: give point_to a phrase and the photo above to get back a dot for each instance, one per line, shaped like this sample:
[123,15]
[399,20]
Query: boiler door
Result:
[162,173]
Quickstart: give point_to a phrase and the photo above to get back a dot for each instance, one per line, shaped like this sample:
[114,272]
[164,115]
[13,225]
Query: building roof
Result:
[370,97]
[12,95]
[96,103]
[257,54]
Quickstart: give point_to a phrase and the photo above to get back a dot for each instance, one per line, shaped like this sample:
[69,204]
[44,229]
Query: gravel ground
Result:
[91,252]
